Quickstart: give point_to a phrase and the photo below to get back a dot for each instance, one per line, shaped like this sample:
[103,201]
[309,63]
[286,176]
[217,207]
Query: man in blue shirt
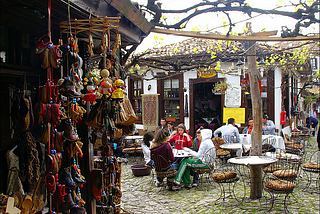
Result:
[268,127]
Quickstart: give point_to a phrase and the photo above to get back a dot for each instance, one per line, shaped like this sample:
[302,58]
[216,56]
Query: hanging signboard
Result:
[239,114]
[207,72]
[233,97]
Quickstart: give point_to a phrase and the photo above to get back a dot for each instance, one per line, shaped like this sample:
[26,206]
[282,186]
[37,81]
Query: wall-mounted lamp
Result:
[149,87]
[239,63]
[262,62]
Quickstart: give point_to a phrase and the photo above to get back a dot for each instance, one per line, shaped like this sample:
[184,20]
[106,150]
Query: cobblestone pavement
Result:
[140,195]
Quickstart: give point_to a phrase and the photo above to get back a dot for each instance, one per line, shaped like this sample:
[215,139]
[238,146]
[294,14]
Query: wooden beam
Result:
[257,37]
[132,13]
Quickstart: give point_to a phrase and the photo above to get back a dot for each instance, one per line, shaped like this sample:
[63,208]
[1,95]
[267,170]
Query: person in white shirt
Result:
[145,145]
[228,130]
[198,163]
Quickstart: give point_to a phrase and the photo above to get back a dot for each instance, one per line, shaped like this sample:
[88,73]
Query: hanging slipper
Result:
[54,92]
[69,132]
[38,131]
[50,182]
[76,176]
[60,193]
[58,141]
[54,56]
[55,113]
[67,89]
[97,184]
[45,112]
[66,178]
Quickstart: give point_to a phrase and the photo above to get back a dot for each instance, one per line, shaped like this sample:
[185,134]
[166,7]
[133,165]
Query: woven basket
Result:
[167,174]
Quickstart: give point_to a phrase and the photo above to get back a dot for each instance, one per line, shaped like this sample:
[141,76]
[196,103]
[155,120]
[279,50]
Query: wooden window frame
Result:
[162,98]
[131,96]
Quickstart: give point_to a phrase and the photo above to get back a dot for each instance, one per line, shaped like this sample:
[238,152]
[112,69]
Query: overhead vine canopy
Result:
[306,13]
[198,53]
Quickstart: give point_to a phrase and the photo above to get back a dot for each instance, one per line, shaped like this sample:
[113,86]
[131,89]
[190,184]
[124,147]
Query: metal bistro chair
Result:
[268,144]
[228,139]
[230,182]
[281,182]
[222,154]
[160,171]
[311,168]
[208,159]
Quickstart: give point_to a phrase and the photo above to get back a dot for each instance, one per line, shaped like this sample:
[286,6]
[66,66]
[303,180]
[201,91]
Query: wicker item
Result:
[295,146]
[270,169]
[217,142]
[280,185]
[167,174]
[286,173]
[223,175]
[201,171]
[222,152]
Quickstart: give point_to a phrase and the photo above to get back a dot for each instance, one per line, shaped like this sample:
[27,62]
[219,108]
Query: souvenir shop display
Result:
[48,169]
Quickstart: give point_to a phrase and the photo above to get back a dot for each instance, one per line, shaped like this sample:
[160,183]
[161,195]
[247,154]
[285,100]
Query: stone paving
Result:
[140,195]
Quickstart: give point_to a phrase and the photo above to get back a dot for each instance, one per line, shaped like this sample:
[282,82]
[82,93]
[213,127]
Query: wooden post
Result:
[255,171]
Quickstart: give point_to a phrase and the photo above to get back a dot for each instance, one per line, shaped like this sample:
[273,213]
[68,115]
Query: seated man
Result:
[198,163]
[248,129]
[228,130]
[268,127]
[163,125]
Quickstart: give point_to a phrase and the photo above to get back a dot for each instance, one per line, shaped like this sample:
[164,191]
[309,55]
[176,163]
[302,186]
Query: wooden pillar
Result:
[254,75]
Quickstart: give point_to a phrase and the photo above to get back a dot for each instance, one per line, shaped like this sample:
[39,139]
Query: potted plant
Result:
[221,87]
[138,115]
[171,117]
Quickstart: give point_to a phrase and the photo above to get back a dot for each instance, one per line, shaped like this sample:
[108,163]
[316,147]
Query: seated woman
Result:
[171,129]
[160,147]
[181,139]
[145,145]
[198,163]
[196,145]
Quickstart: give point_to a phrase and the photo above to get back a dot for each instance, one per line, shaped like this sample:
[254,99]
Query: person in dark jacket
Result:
[161,146]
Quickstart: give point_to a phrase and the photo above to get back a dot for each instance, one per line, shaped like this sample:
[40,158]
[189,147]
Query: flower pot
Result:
[170,119]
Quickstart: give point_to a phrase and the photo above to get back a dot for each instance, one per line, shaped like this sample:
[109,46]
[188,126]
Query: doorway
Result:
[205,106]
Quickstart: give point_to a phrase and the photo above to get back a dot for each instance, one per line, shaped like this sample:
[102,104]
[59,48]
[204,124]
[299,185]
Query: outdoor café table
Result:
[180,153]
[134,138]
[253,161]
[231,146]
[132,148]
[245,139]
[283,156]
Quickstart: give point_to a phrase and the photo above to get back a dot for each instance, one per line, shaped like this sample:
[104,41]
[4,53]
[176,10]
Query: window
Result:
[171,88]
[135,90]
[314,64]
[171,98]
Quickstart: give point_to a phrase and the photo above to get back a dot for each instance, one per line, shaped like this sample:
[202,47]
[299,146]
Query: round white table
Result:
[238,146]
[284,156]
[180,153]
[231,146]
[252,160]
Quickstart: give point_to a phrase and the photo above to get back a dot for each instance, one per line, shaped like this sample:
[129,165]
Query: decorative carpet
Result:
[150,111]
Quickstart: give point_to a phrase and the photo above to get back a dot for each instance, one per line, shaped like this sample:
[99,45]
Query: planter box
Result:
[170,119]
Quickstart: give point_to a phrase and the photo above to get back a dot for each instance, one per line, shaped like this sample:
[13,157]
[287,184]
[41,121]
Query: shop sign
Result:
[207,72]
